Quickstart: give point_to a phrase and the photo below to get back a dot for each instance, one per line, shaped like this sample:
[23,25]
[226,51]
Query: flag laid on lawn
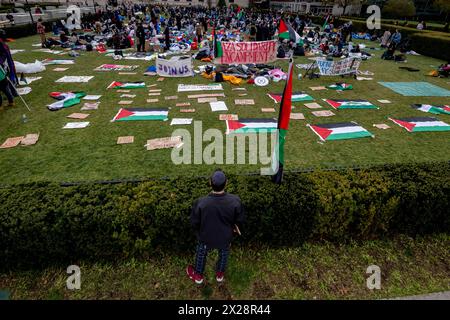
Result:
[127,85]
[421,124]
[340,86]
[296,97]
[285,31]
[432,109]
[350,104]
[135,114]
[283,125]
[251,125]
[340,131]
[66,99]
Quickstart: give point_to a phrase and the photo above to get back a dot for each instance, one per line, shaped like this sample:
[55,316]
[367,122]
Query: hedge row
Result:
[25,30]
[43,224]
[429,43]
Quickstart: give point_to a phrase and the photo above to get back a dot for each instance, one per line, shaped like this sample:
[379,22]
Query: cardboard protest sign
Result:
[115,67]
[381,126]
[226,117]
[152,100]
[244,101]
[323,113]
[187,110]
[164,143]
[11,142]
[218,106]
[205,100]
[206,95]
[183,104]
[181,121]
[297,116]
[199,87]
[78,116]
[125,140]
[30,139]
[174,67]
[313,105]
[246,52]
[337,68]
[267,109]
[90,106]
[74,79]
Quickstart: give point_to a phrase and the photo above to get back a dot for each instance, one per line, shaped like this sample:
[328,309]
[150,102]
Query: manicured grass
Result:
[92,153]
[312,271]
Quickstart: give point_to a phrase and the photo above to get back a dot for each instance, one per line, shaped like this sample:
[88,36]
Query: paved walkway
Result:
[431,296]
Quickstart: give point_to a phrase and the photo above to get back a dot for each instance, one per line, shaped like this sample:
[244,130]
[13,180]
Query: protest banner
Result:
[337,68]
[175,67]
[247,52]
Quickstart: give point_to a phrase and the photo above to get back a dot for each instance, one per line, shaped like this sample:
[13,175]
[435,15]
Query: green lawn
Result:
[92,154]
[312,271]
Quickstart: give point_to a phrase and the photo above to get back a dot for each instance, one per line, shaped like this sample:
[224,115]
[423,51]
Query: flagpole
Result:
[9,80]
[283,124]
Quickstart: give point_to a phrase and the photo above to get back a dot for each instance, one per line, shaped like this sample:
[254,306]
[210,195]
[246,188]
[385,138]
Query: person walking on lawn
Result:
[215,218]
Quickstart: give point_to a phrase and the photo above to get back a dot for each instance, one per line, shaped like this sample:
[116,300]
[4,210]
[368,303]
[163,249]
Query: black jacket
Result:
[214,216]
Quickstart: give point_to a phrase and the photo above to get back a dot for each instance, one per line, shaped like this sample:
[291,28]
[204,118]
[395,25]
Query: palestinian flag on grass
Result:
[135,114]
[340,131]
[296,97]
[66,99]
[421,124]
[340,86]
[251,125]
[350,104]
[432,109]
[285,31]
[127,85]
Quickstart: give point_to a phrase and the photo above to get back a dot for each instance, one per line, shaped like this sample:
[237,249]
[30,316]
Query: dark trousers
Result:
[6,89]
[201,255]
[141,45]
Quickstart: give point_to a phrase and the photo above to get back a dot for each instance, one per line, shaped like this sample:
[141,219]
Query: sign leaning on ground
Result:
[174,67]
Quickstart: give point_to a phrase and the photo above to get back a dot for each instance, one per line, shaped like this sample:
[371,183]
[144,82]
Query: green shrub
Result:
[43,224]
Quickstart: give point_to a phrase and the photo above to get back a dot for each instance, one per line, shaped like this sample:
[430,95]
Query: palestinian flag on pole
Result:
[350,104]
[285,31]
[340,86]
[251,125]
[66,99]
[325,23]
[127,85]
[135,114]
[340,131]
[283,126]
[217,46]
[421,124]
[296,97]
[432,109]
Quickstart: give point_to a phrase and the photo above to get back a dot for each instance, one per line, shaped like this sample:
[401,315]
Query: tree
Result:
[221,3]
[346,3]
[399,8]
[443,6]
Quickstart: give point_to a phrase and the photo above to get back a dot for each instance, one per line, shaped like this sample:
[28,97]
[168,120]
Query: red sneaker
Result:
[220,276]
[197,278]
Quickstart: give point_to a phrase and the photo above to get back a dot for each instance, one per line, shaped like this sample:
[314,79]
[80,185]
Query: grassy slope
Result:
[92,153]
[312,271]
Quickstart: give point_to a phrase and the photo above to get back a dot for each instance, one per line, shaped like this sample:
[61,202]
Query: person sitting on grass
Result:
[215,218]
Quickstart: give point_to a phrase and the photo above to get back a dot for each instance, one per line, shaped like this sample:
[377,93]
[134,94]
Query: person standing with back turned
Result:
[215,218]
